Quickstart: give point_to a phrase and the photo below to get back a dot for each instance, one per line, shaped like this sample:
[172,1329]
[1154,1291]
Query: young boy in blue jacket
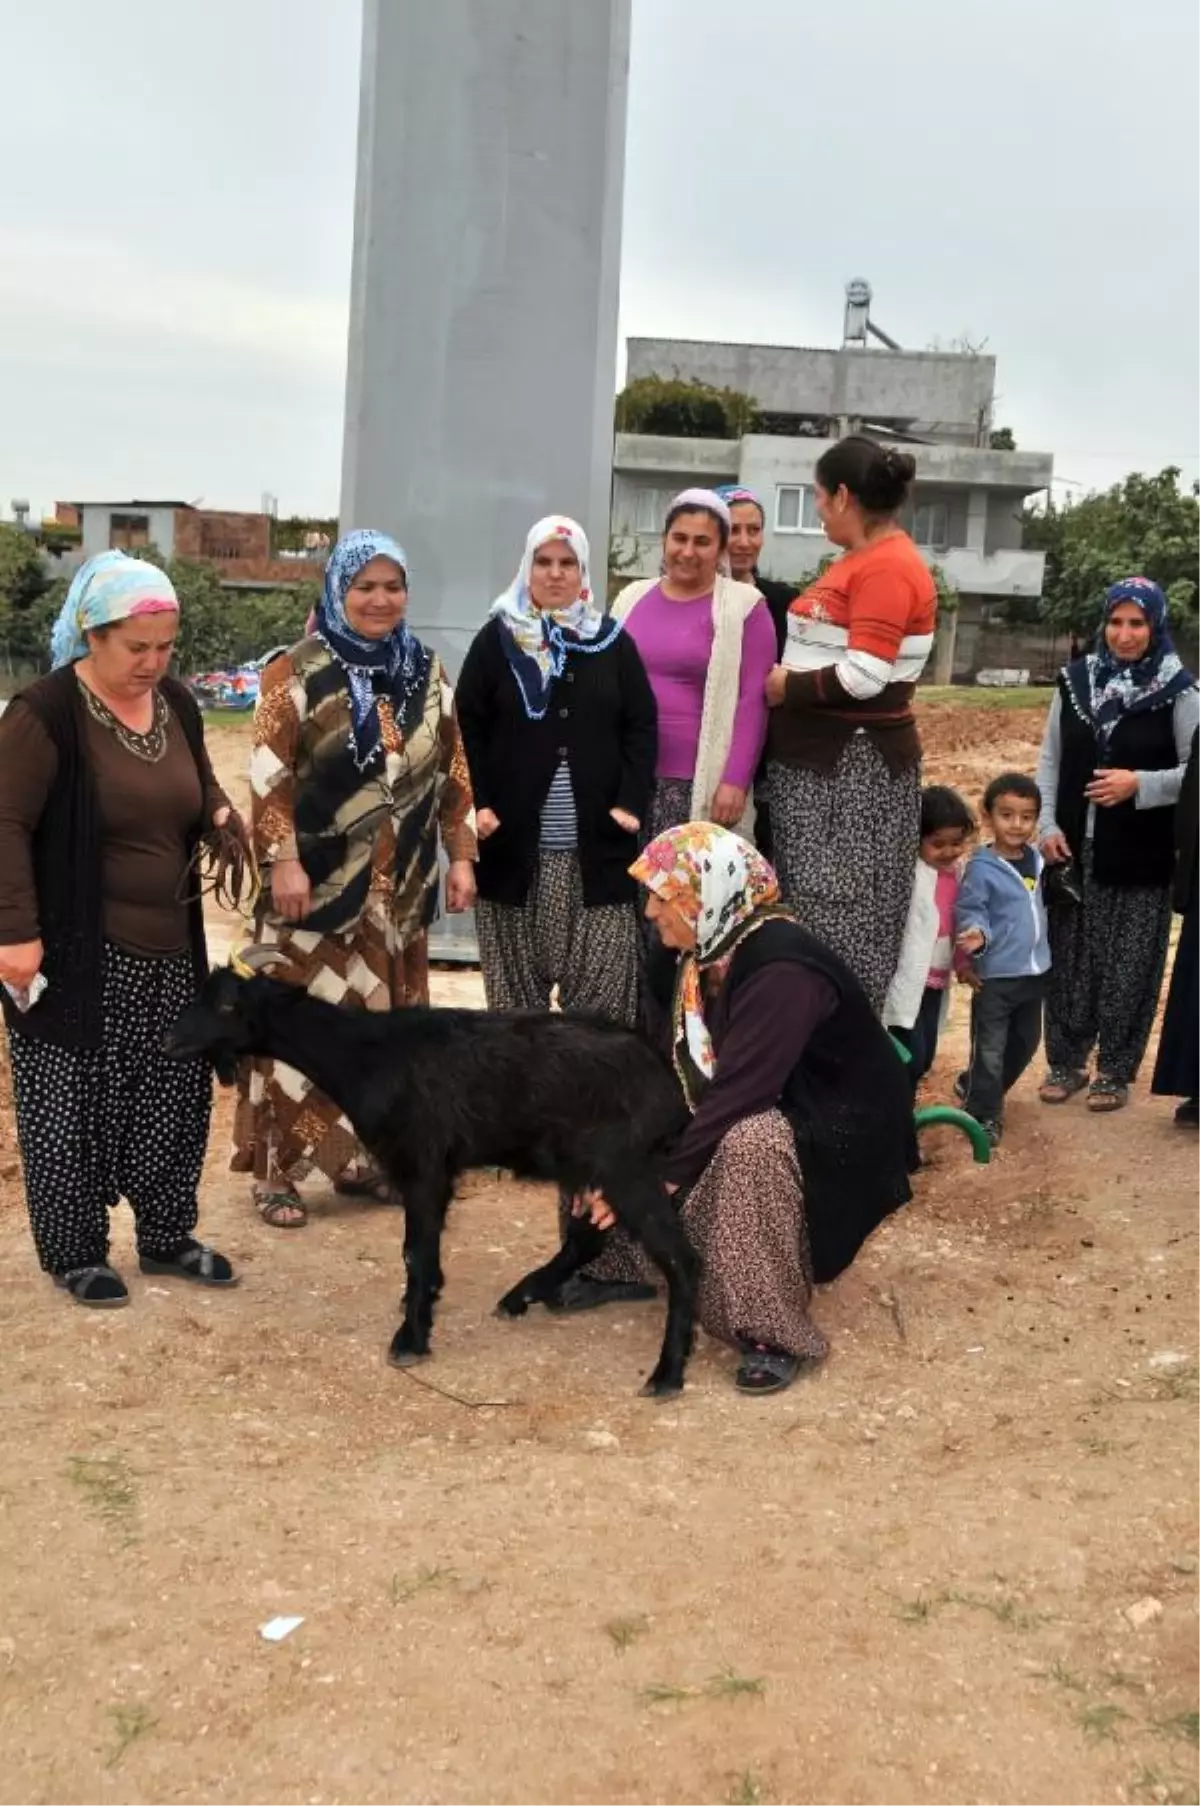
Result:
[1000,922]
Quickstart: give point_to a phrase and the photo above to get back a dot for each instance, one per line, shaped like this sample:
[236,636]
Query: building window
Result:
[929,526]
[649,510]
[796,509]
[125,531]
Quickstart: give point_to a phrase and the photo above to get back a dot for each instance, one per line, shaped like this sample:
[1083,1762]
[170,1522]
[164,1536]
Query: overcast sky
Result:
[176,204]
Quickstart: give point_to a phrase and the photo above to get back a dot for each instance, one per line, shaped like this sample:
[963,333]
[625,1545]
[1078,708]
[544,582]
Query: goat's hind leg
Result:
[582,1244]
[424,1214]
[645,1210]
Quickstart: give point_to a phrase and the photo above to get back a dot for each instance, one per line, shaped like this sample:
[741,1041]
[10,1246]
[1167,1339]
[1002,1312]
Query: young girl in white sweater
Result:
[920,991]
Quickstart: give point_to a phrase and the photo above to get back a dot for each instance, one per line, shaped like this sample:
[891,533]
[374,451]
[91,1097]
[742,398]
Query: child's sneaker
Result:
[993,1131]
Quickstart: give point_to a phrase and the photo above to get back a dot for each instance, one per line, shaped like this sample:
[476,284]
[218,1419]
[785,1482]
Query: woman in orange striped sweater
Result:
[844,757]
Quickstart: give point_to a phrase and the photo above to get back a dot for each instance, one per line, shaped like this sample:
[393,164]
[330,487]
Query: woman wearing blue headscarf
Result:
[358,764]
[1112,763]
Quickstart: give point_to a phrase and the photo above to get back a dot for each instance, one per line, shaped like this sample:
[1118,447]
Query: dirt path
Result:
[905,1580]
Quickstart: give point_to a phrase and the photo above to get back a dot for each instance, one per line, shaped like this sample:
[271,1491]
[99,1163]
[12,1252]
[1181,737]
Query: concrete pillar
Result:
[977,514]
[483,316]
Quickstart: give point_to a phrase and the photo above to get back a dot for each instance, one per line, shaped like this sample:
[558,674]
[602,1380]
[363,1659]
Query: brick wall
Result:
[213,536]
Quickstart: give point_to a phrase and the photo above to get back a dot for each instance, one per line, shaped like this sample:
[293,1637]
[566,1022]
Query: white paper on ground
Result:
[278,1628]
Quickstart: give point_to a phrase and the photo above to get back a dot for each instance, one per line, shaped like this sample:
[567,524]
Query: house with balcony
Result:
[966,508]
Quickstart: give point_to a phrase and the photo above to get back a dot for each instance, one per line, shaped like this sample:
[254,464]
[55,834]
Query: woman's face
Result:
[836,512]
[745,539]
[554,576]
[376,600]
[1127,633]
[692,551]
[674,929]
[131,657]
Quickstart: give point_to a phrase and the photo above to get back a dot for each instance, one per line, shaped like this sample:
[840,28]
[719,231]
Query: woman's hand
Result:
[623,819]
[486,823]
[1109,787]
[20,964]
[291,892]
[728,806]
[776,686]
[460,887]
[221,815]
[1055,849]
[595,1205]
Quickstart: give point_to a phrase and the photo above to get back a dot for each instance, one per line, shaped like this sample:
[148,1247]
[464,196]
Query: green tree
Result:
[1146,526]
[685,410]
[1001,439]
[22,575]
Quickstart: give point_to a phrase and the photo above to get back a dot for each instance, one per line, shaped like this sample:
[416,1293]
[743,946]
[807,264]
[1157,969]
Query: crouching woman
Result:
[800,1139]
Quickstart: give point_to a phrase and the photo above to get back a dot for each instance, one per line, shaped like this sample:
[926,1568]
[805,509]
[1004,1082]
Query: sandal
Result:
[281,1209]
[1061,1083]
[190,1259]
[366,1181]
[101,1287]
[1106,1095]
[765,1369]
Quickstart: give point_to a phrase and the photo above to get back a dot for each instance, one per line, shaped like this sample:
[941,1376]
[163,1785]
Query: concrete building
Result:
[966,507]
[236,544]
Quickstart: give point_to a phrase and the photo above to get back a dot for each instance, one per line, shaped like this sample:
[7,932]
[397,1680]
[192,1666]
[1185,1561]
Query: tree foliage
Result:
[1001,438]
[1146,526]
[218,628]
[684,409]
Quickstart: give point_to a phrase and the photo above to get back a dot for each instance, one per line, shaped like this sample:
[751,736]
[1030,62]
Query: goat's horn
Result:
[256,959]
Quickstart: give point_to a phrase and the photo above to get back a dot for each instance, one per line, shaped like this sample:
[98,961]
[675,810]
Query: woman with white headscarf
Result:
[708,644]
[559,724]
[107,800]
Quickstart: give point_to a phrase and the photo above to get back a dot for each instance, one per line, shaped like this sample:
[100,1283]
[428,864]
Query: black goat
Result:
[433,1092]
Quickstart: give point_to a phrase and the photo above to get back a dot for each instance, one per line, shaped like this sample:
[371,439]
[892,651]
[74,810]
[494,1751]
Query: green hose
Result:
[974,1131]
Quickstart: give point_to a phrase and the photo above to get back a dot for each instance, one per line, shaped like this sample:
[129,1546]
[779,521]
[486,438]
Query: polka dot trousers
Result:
[118,1121]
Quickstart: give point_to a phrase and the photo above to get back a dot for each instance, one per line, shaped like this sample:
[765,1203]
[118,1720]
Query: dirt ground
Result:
[956,1564]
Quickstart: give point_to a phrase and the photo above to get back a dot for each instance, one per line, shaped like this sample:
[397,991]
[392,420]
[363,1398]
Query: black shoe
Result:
[190,1259]
[581,1294]
[766,1369]
[993,1130]
[100,1287]
[1188,1113]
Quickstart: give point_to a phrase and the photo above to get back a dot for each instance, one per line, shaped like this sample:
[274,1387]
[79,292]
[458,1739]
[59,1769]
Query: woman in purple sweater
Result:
[707,644]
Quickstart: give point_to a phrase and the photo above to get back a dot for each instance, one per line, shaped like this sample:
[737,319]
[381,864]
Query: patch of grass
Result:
[1116,1677]
[109,1488]
[1149,1783]
[1100,1721]
[402,1589]
[129,1723]
[980,696]
[1003,1609]
[725,1685]
[916,1611]
[1058,1671]
[747,1790]
[622,1632]
[1181,1724]
[1177,1382]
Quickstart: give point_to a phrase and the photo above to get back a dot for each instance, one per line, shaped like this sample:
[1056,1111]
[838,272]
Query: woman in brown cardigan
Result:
[105,794]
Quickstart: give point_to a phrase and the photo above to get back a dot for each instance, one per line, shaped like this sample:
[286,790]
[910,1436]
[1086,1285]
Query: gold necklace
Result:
[150,746]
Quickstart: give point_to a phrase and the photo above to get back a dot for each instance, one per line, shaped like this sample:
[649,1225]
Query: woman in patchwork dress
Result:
[358,764]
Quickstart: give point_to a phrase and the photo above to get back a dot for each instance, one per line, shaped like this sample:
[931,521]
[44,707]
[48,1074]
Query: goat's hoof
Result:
[403,1354]
[662,1386]
[513,1304]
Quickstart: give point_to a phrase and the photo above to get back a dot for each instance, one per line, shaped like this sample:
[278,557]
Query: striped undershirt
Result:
[560,826]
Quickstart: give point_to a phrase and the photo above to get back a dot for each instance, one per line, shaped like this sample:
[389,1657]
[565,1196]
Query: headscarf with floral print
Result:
[725,890]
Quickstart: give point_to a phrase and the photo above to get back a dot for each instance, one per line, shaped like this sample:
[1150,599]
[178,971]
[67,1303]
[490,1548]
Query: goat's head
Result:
[221,1021]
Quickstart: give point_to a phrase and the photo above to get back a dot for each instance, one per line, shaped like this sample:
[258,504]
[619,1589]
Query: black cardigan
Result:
[68,866]
[602,717]
[1130,846]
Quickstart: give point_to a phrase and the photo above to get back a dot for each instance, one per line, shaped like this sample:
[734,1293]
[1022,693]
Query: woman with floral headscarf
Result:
[357,765]
[1115,750]
[560,728]
[800,1139]
[107,799]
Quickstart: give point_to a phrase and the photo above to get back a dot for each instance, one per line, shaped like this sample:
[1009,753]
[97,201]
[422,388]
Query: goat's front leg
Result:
[582,1244]
[643,1207]
[424,1214]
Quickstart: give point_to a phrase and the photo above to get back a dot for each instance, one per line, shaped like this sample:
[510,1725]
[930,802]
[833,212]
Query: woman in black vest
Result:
[801,1138]
[1112,764]
[1177,1069]
[106,795]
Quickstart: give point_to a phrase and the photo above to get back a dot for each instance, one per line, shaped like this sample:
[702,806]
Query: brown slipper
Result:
[1107,1095]
[1061,1084]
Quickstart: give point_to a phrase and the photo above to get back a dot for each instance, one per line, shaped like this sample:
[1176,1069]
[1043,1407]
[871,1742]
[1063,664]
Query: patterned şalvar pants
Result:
[551,939]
